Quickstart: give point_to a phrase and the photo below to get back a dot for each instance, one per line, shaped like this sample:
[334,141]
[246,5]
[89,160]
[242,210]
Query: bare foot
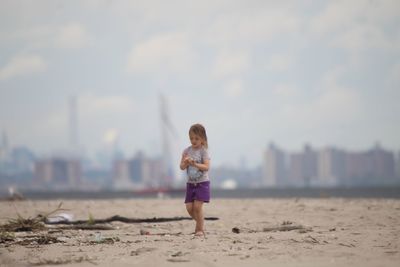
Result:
[200,234]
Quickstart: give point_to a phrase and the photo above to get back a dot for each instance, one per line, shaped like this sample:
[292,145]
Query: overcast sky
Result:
[322,72]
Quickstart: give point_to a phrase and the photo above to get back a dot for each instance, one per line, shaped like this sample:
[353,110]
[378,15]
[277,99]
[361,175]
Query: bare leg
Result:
[198,216]
[189,208]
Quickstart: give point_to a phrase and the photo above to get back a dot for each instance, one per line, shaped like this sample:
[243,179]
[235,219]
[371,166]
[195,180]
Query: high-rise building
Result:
[331,166]
[303,167]
[58,173]
[372,167]
[383,163]
[273,167]
[138,172]
[398,166]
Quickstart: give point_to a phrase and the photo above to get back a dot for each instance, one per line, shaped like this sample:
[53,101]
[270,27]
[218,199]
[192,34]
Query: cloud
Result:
[331,105]
[393,79]
[358,24]
[165,52]
[251,26]
[285,90]
[36,37]
[72,36]
[231,63]
[22,65]
[234,88]
[280,62]
[93,104]
[364,37]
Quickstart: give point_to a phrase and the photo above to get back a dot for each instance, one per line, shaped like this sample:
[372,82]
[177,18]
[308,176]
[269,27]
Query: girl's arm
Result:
[184,162]
[202,166]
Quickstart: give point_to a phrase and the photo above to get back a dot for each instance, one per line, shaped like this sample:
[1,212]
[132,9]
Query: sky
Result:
[325,73]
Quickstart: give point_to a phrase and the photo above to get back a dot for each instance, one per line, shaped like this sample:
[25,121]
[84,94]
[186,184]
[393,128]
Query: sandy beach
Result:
[331,232]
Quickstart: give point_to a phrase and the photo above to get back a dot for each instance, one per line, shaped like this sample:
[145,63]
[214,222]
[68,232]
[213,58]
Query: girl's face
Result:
[196,140]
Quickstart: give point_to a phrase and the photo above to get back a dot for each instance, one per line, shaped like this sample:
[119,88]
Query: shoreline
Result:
[322,192]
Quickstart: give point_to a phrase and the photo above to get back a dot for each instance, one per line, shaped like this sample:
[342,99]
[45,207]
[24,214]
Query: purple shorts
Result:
[199,191]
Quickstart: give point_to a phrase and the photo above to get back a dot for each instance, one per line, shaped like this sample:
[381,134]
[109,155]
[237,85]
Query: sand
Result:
[338,232]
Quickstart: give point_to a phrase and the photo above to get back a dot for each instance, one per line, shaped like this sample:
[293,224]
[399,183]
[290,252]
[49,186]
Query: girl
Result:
[196,161]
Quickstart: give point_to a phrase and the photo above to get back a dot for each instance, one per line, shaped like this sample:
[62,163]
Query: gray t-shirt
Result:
[193,174]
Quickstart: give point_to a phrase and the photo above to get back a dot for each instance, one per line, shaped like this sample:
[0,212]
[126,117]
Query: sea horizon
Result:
[268,192]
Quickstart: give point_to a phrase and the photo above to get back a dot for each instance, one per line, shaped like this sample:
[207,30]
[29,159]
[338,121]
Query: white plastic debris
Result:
[61,217]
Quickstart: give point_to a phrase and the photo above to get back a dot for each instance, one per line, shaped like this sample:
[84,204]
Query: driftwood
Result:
[39,222]
[85,227]
[118,218]
[283,228]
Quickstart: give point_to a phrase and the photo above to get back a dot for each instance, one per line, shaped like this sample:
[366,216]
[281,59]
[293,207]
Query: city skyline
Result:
[251,72]
[309,168]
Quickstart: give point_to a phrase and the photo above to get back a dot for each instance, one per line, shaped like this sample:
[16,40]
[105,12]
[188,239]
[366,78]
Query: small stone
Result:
[144,232]
[236,230]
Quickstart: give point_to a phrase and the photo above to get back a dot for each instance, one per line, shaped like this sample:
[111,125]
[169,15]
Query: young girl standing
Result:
[196,161]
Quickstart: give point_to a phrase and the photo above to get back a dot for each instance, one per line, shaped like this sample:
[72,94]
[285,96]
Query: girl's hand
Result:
[190,161]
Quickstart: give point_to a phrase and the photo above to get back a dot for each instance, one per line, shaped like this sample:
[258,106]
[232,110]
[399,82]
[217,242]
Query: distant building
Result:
[226,177]
[358,166]
[138,172]
[331,167]
[398,166]
[296,169]
[303,167]
[383,163]
[273,167]
[58,173]
[16,166]
[23,159]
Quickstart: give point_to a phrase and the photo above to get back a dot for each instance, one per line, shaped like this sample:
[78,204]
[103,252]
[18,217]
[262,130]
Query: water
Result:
[365,192]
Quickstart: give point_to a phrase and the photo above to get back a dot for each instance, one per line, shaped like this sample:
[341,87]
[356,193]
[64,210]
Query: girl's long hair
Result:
[199,130]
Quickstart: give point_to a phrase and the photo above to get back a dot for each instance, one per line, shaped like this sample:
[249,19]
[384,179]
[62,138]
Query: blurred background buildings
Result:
[311,167]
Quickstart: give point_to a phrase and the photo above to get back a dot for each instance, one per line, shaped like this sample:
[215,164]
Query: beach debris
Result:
[21,224]
[60,261]
[288,226]
[28,240]
[6,237]
[142,250]
[99,239]
[118,218]
[84,226]
[285,226]
[235,230]
[178,260]
[310,239]
[42,239]
[62,217]
[179,254]
[144,232]
[347,245]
